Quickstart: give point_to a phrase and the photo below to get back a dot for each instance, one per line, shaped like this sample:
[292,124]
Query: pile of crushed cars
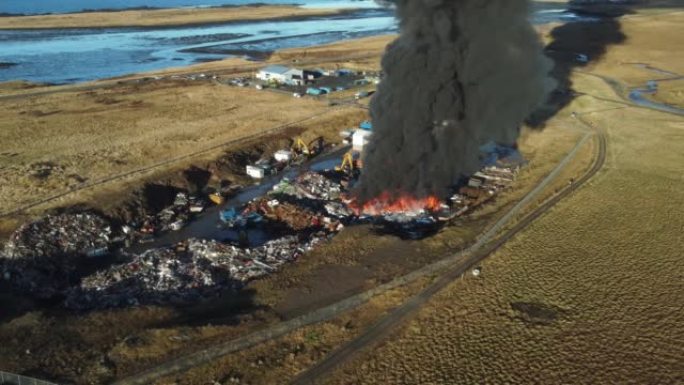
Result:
[64,234]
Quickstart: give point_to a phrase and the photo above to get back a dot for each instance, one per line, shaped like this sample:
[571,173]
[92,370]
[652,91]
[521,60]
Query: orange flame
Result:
[385,203]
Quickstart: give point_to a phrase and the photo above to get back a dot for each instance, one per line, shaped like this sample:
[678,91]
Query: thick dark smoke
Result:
[462,73]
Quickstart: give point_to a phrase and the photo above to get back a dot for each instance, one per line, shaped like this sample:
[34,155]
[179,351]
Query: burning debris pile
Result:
[461,74]
[180,275]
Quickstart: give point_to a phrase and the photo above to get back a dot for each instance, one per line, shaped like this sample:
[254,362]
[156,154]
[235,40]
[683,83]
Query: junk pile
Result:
[41,256]
[171,218]
[58,235]
[411,225]
[296,217]
[180,275]
[483,186]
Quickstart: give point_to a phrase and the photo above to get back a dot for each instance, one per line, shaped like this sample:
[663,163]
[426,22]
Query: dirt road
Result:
[387,324]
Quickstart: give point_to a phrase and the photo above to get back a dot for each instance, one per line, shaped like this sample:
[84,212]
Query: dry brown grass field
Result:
[592,291]
[160,17]
[671,92]
[88,135]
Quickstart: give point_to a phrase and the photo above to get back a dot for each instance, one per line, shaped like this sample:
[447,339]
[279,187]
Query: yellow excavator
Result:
[313,148]
[348,165]
[299,147]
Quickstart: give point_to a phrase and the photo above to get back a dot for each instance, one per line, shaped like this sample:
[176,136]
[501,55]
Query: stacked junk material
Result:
[41,256]
[171,275]
[65,234]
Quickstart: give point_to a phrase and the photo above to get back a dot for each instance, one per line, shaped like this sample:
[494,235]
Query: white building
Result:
[281,74]
[360,139]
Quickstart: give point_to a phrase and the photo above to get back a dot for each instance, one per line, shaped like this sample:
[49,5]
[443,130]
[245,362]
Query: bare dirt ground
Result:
[161,17]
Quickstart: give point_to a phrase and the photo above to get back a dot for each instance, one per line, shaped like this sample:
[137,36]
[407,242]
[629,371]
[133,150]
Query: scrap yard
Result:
[204,245]
[378,192]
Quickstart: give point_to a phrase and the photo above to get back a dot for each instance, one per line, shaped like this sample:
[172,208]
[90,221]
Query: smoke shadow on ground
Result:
[576,45]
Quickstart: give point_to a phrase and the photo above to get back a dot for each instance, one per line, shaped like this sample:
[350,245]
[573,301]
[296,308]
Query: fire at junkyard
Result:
[300,210]
[458,83]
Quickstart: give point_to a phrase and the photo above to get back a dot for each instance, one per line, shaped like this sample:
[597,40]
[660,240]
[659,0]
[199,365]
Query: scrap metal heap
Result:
[172,218]
[173,275]
[66,234]
[41,256]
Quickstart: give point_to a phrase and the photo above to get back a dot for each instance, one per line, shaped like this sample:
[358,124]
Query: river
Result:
[61,56]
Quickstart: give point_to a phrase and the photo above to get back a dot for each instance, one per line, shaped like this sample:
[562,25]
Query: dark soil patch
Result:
[196,179]
[536,312]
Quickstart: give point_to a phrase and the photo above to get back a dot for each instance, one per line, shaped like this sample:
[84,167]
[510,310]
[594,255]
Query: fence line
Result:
[16,379]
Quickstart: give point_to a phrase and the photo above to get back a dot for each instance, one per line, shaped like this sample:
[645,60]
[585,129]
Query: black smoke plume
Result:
[462,73]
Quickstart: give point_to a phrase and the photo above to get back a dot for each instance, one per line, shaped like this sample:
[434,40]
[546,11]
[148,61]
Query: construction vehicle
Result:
[348,165]
[314,147]
[299,147]
[216,198]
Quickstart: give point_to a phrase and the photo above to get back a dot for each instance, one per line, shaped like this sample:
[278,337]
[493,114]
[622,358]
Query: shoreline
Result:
[168,17]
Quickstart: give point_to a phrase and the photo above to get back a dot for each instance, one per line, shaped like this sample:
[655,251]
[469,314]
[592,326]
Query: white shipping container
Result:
[282,156]
[255,172]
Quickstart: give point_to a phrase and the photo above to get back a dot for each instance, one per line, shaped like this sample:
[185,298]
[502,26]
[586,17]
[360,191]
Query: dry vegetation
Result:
[671,92]
[591,292]
[160,17]
[105,132]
